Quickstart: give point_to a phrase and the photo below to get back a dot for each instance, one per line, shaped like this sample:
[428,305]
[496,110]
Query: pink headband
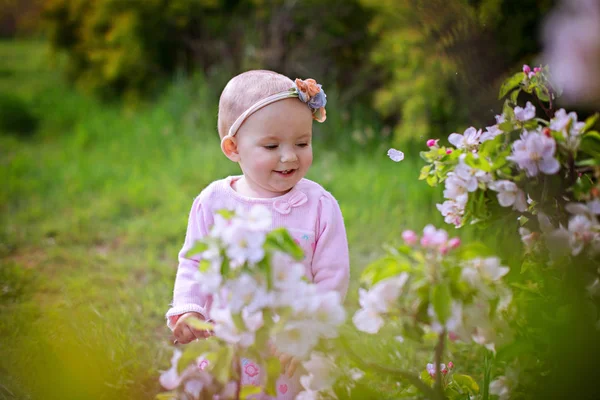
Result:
[308,91]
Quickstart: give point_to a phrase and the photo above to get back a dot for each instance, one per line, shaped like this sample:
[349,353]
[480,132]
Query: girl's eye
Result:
[302,144]
[270,146]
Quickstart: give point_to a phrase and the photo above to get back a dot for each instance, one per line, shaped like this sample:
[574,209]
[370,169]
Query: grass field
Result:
[93,209]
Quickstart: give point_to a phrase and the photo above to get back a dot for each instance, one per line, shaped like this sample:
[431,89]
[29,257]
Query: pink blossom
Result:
[451,365]
[525,114]
[537,70]
[432,142]
[454,243]
[409,237]
[433,237]
[534,153]
[526,69]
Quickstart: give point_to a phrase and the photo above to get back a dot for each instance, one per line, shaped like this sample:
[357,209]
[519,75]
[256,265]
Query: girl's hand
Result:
[289,364]
[184,332]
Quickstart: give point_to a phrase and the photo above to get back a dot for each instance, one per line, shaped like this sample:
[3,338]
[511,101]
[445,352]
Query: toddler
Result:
[265,125]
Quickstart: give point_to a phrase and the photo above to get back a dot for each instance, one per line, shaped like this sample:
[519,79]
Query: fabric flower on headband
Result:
[311,93]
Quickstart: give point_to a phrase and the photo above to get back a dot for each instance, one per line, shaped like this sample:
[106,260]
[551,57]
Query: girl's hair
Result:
[245,89]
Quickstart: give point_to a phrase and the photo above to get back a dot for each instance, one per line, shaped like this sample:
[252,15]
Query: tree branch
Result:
[439,351]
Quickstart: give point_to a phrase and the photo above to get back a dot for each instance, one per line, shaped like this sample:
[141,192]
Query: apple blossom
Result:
[534,153]
[410,237]
[432,142]
[509,194]
[525,114]
[469,140]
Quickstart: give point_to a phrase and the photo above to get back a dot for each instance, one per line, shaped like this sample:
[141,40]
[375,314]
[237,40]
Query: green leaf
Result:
[424,172]
[510,84]
[474,249]
[590,122]
[588,162]
[426,378]
[166,396]
[249,390]
[197,248]
[199,324]
[466,383]
[432,180]
[541,94]
[225,213]
[590,144]
[280,239]
[203,265]
[273,372]
[478,162]
[515,95]
[222,370]
[526,265]
[381,269]
[441,299]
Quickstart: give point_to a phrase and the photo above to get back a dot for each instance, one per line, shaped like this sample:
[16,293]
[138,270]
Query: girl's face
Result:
[274,147]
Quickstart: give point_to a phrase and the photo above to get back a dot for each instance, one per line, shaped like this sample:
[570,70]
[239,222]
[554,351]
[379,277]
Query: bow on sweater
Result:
[295,200]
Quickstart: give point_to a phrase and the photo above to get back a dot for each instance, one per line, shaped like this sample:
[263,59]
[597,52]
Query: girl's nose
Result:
[289,156]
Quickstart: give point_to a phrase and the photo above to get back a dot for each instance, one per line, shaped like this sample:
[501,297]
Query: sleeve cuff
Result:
[174,313]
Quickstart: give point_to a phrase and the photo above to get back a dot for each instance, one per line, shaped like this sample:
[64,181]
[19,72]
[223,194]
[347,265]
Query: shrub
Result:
[16,116]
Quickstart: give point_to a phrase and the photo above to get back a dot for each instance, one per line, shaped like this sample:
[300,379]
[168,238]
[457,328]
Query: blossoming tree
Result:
[538,175]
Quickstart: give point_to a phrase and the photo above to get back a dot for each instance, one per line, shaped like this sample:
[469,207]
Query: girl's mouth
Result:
[286,172]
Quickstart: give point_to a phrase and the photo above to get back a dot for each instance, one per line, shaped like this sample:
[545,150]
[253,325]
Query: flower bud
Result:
[450,365]
[537,70]
[526,69]
[546,131]
[445,371]
[432,142]
[449,151]
[409,237]
[454,243]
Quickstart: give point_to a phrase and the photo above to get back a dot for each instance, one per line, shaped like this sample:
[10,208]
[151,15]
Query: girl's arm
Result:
[186,294]
[331,262]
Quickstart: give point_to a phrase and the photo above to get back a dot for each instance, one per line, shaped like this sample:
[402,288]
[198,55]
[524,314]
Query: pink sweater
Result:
[309,212]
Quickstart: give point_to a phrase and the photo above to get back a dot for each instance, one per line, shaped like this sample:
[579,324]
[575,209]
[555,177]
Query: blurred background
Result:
[108,131]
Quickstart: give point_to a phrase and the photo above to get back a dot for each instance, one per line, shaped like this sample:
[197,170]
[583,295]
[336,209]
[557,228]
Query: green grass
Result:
[93,211]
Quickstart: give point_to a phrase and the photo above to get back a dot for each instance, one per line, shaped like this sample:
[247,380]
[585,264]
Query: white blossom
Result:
[457,189]
[490,133]
[499,387]
[468,140]
[534,153]
[377,301]
[452,211]
[525,114]
[509,194]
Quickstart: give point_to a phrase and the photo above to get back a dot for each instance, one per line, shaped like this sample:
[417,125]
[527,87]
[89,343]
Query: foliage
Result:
[439,59]
[120,47]
[544,170]
[16,116]
[431,288]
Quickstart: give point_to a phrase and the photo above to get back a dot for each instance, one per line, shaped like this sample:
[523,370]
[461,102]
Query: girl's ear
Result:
[229,148]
